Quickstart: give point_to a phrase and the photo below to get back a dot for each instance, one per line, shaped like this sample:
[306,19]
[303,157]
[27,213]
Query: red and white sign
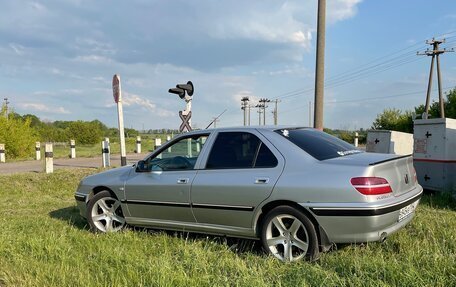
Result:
[116,88]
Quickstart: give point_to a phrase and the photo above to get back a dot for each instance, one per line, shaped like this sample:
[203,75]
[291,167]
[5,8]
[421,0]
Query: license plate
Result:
[406,211]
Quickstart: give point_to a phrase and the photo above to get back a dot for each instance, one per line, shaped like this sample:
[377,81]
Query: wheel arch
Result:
[99,189]
[323,240]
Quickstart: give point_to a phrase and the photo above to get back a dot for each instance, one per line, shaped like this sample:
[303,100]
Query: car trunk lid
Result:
[398,170]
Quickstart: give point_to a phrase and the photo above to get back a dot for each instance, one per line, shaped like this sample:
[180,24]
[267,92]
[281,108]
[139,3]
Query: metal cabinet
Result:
[434,154]
[383,141]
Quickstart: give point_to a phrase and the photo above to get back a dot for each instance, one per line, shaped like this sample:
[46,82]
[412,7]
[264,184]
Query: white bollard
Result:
[2,152]
[38,151]
[158,143]
[72,149]
[106,162]
[138,144]
[109,144]
[49,158]
[356,139]
[168,138]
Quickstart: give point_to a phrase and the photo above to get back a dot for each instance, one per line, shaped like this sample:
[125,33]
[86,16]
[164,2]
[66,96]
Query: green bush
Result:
[85,132]
[17,135]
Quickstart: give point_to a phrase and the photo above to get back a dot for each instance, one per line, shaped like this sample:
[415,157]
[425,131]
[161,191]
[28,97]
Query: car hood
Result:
[108,177]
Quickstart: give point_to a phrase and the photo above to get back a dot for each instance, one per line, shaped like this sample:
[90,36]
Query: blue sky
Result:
[58,58]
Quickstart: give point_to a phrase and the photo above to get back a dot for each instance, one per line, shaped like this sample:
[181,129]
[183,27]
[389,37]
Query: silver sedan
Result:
[298,190]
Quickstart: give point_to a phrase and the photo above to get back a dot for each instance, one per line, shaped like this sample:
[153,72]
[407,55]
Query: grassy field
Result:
[44,242]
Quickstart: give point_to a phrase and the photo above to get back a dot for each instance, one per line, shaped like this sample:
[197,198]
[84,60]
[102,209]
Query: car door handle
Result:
[262,180]
[182,180]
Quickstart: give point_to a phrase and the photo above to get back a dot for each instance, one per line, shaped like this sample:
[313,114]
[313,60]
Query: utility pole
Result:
[320,66]
[6,107]
[215,120]
[260,107]
[263,102]
[275,112]
[434,53]
[246,108]
[310,113]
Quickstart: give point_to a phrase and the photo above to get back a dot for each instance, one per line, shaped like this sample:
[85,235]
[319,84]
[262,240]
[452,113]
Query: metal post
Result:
[2,152]
[72,149]
[356,139]
[49,158]
[117,91]
[320,66]
[439,82]
[138,144]
[38,151]
[105,158]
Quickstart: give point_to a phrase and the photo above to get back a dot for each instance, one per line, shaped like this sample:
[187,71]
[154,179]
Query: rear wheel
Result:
[289,235]
[104,213]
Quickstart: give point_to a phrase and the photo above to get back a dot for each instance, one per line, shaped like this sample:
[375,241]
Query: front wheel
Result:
[289,235]
[104,213]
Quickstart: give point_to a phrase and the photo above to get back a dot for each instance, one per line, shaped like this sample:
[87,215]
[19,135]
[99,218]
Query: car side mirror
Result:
[142,166]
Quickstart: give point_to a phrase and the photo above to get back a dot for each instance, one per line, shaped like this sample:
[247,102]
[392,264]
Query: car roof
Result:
[248,128]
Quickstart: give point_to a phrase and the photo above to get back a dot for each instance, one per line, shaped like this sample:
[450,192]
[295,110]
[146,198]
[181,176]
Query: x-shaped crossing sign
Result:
[185,121]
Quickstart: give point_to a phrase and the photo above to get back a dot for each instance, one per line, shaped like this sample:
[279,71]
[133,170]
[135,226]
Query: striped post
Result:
[49,158]
[2,152]
[168,138]
[38,151]
[158,143]
[138,144]
[106,162]
[72,149]
[109,144]
[356,139]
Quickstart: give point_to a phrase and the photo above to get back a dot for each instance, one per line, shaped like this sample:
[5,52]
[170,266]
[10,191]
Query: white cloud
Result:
[132,100]
[93,59]
[43,108]
[339,10]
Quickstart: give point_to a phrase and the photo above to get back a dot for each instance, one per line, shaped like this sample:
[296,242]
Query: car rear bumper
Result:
[352,224]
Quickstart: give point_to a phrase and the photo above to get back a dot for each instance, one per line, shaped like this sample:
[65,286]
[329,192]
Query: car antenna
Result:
[213,121]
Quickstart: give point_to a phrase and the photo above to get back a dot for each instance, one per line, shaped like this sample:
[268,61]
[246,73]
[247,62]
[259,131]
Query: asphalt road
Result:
[59,163]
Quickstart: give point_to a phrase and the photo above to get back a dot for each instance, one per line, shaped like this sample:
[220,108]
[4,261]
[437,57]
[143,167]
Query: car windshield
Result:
[318,144]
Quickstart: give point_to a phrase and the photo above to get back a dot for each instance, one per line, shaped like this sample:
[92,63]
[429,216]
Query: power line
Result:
[369,99]
[374,68]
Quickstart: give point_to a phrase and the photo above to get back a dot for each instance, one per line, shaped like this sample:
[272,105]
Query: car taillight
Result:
[371,185]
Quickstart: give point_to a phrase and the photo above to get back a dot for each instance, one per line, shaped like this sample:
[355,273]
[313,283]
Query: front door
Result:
[159,189]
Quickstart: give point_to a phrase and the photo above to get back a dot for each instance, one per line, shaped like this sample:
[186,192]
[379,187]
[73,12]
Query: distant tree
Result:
[17,135]
[434,108]
[84,132]
[394,120]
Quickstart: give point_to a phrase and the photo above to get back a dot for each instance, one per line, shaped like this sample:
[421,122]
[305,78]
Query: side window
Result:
[265,158]
[182,155]
[239,150]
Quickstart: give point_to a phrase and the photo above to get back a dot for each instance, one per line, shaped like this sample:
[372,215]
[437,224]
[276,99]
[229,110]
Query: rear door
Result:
[240,172]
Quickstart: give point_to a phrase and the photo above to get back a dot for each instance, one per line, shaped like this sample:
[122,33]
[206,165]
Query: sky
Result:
[58,57]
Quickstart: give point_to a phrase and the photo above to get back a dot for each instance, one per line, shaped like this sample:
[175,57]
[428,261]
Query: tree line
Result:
[402,121]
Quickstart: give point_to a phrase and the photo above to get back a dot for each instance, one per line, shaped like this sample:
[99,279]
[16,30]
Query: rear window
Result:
[318,144]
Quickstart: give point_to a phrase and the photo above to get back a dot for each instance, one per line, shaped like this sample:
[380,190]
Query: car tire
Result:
[104,213]
[289,235]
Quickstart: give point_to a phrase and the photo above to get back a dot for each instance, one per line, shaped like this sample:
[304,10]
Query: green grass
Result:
[44,242]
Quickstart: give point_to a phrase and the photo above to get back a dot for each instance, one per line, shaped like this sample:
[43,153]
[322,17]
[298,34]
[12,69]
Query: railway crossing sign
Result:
[185,92]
